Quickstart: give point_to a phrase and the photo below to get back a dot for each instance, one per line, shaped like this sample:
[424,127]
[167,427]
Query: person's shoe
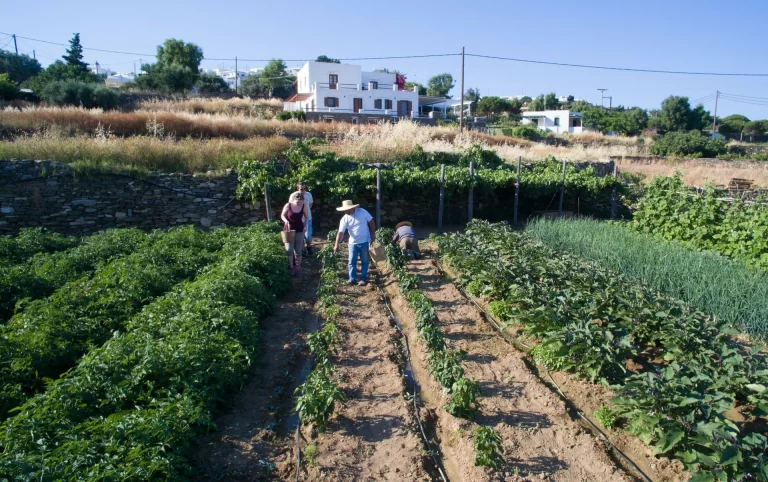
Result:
[309,251]
[351,282]
[362,282]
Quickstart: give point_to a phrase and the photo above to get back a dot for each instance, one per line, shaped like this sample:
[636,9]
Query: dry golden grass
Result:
[698,172]
[258,108]
[144,152]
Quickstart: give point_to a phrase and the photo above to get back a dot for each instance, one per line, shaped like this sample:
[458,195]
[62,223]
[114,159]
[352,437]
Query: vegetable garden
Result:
[677,374]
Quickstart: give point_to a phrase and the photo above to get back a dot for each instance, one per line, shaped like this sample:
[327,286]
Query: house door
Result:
[404,108]
[357,105]
[333,80]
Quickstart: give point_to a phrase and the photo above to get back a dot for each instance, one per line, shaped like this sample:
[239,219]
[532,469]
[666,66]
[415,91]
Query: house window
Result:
[374,85]
[557,121]
[354,120]
[373,121]
[377,104]
[388,103]
[331,101]
[576,122]
[333,80]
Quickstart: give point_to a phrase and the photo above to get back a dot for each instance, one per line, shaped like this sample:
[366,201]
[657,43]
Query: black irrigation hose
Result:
[414,386]
[515,342]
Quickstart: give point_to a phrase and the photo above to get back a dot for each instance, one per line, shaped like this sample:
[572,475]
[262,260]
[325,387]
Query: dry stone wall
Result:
[48,194]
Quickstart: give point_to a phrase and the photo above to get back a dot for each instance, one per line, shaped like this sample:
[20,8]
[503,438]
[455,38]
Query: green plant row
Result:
[339,178]
[688,375]
[30,241]
[444,364]
[132,408]
[316,398]
[51,334]
[729,289]
[670,210]
[42,274]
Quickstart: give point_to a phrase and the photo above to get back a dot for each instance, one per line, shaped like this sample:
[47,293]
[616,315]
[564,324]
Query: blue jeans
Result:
[308,234]
[356,250]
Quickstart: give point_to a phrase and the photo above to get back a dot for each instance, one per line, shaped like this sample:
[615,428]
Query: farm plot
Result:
[372,435]
[681,384]
[30,241]
[131,408]
[535,438]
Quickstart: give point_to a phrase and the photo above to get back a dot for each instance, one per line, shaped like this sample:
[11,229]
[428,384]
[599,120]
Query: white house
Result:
[345,89]
[556,121]
[117,80]
[229,76]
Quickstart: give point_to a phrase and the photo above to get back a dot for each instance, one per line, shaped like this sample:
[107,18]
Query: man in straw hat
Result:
[362,232]
[406,235]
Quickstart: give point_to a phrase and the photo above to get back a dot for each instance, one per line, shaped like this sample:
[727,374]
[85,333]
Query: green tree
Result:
[636,121]
[275,79]
[18,67]
[472,95]
[173,78]
[177,52]
[83,94]
[675,113]
[210,83]
[537,104]
[252,87]
[756,128]
[59,71]
[440,85]
[700,119]
[411,85]
[325,58]
[74,56]
[732,125]
[551,102]
[8,88]
[496,105]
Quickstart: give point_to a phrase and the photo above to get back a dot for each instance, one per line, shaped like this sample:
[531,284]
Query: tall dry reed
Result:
[258,108]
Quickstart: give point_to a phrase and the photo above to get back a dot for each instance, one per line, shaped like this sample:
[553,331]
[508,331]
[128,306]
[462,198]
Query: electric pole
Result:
[16,47]
[236,74]
[33,54]
[714,120]
[461,117]
[602,97]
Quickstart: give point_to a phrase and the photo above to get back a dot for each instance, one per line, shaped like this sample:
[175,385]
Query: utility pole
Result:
[33,54]
[602,97]
[461,116]
[236,83]
[610,103]
[714,120]
[16,47]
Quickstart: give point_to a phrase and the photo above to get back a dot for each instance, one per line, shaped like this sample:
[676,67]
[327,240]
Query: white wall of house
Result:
[557,121]
[314,87]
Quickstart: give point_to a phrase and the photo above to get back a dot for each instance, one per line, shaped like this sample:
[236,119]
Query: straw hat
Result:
[346,205]
[404,223]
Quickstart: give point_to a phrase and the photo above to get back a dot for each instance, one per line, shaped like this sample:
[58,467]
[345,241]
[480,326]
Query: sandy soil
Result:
[372,437]
[248,437]
[541,441]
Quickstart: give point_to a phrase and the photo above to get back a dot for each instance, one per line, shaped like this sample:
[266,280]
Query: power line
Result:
[627,69]
[746,96]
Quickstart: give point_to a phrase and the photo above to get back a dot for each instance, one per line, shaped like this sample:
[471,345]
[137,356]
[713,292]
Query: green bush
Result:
[688,144]
[73,92]
[283,116]
[527,131]
[8,88]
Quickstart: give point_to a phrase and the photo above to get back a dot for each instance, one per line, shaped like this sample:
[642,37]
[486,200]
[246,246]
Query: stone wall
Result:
[48,194]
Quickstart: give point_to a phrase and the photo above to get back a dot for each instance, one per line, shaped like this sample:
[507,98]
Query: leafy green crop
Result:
[488,448]
[31,241]
[671,211]
[593,321]
[132,408]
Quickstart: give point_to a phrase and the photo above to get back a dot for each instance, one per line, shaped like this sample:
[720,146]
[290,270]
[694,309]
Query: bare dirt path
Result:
[372,437]
[541,441]
[248,440]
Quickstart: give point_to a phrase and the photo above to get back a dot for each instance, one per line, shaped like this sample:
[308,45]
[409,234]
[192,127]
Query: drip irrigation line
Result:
[414,386]
[514,341]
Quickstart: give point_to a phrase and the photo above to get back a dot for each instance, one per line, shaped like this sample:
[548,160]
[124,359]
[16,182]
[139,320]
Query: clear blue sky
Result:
[699,35]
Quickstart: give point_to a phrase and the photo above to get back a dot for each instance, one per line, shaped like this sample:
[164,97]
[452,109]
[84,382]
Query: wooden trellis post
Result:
[442,200]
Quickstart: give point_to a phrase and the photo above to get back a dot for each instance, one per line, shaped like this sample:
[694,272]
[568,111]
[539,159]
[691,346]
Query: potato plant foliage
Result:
[592,321]
[152,376]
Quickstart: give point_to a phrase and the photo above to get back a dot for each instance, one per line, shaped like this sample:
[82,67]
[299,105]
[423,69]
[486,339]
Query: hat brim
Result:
[347,208]
[404,223]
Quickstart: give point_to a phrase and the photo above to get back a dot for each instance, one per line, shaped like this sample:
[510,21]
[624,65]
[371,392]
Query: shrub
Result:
[283,116]
[527,131]
[73,92]
[8,88]
[689,144]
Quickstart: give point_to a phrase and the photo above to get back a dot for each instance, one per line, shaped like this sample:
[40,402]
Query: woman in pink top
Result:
[293,215]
